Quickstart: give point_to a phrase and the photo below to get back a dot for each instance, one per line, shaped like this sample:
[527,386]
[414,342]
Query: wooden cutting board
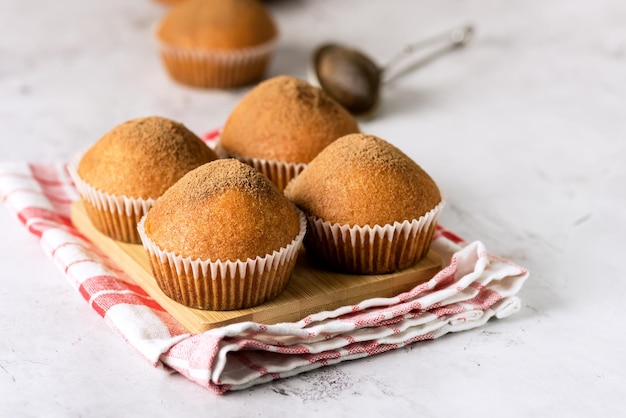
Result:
[311,289]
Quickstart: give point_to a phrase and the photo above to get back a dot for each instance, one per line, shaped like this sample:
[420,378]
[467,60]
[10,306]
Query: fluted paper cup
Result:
[116,216]
[374,249]
[222,285]
[216,68]
[279,172]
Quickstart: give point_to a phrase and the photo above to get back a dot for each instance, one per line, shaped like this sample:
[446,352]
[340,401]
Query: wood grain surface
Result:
[311,288]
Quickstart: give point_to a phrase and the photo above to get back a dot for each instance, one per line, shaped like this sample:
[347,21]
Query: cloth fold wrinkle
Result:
[473,287]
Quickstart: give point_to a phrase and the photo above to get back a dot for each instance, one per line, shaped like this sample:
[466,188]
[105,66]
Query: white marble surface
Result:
[524,131]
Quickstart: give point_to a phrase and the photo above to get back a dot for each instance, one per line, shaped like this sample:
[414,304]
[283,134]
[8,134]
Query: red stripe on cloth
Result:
[395,330]
[60,193]
[367,319]
[443,232]
[247,343]
[442,279]
[85,245]
[374,347]
[199,350]
[324,356]
[211,135]
[103,302]
[69,244]
[79,261]
[221,389]
[292,349]
[59,201]
[48,173]
[404,308]
[33,212]
[423,337]
[355,348]
[397,317]
[447,276]
[477,286]
[376,317]
[104,283]
[99,310]
[262,328]
[47,182]
[485,299]
[451,309]
[39,228]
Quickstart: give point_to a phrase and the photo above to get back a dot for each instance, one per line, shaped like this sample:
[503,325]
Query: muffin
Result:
[168,2]
[120,176]
[217,43]
[370,208]
[281,125]
[223,237]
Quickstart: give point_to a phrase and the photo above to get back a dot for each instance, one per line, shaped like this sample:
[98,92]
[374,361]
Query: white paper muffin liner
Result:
[223,285]
[216,68]
[116,216]
[374,249]
[279,172]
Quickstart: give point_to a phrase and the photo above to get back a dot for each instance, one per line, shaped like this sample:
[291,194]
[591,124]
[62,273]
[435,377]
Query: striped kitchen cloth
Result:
[473,287]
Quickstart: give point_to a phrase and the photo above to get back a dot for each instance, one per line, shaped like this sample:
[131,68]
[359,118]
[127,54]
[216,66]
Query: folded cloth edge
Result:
[39,195]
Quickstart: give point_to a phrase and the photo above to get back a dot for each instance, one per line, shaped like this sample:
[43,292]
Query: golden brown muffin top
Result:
[142,157]
[285,119]
[363,180]
[223,210]
[217,24]
[168,2]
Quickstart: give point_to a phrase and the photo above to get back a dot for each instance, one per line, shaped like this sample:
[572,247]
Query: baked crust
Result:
[143,157]
[224,210]
[285,119]
[217,24]
[363,180]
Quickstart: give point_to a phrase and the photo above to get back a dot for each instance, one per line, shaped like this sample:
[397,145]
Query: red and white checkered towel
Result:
[474,287]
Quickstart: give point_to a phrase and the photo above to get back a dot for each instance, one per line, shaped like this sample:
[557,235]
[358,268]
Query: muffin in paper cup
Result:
[371,209]
[122,174]
[216,69]
[374,249]
[222,285]
[114,216]
[281,124]
[216,43]
[223,237]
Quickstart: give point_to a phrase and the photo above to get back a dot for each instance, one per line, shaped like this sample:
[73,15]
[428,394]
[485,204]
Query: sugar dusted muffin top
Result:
[217,24]
[285,119]
[363,180]
[142,157]
[223,210]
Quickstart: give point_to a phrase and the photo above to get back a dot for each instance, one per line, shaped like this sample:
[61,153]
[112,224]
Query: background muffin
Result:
[217,43]
[121,175]
[282,124]
[168,2]
[371,209]
[223,237]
